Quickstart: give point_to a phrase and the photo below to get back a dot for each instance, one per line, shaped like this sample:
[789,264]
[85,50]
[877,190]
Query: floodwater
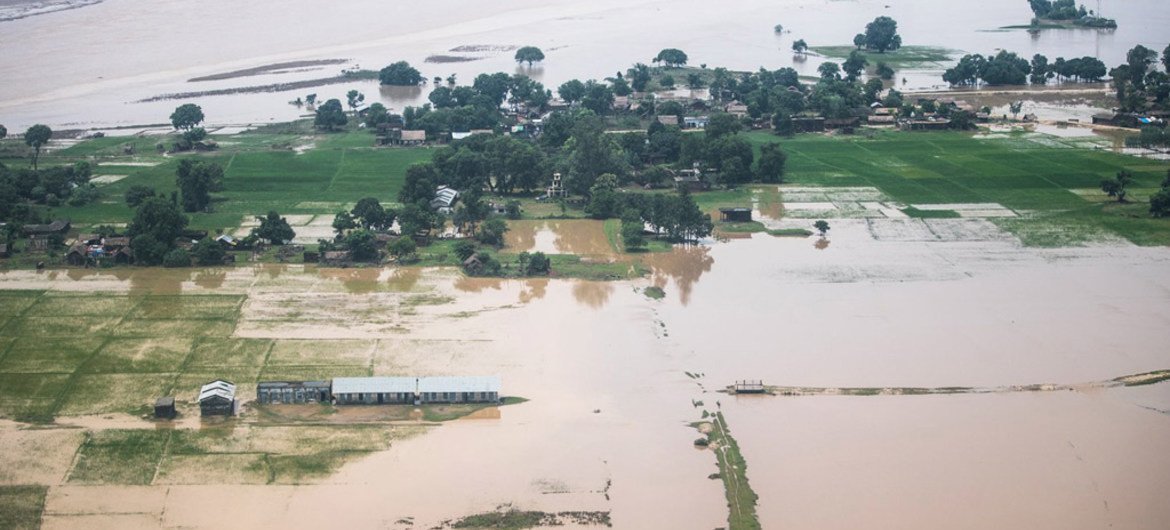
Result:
[605,368]
[88,67]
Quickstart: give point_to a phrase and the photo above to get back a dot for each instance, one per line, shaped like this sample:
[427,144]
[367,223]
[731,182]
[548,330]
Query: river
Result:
[89,67]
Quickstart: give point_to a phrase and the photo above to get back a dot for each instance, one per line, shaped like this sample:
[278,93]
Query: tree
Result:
[400,74]
[722,124]
[343,222]
[782,124]
[882,35]
[598,97]
[420,184]
[156,224]
[859,40]
[138,193]
[415,219]
[800,46]
[667,81]
[404,248]
[604,201]
[873,89]
[632,237]
[208,251]
[1165,64]
[464,249]
[884,71]
[354,99]
[330,116]
[1117,186]
[571,91]
[671,57]
[854,65]
[3,132]
[534,264]
[529,54]
[1160,203]
[1015,107]
[371,214]
[822,226]
[377,115]
[35,137]
[491,232]
[829,71]
[176,258]
[274,228]
[362,245]
[187,116]
[770,167]
[196,181]
[1040,70]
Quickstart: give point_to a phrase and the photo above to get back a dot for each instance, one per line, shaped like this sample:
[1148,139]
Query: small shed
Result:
[735,215]
[472,264]
[164,407]
[293,392]
[750,387]
[444,199]
[217,398]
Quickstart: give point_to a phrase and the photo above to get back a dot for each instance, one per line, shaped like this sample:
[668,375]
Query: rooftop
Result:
[220,388]
[459,384]
[373,385]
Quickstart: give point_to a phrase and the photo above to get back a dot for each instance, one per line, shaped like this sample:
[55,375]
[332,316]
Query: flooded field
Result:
[55,74]
[613,381]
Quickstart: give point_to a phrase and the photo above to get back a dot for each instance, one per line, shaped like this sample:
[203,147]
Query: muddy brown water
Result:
[84,67]
[604,367]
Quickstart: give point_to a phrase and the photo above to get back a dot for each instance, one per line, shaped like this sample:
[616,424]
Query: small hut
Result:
[735,215]
[217,398]
[164,408]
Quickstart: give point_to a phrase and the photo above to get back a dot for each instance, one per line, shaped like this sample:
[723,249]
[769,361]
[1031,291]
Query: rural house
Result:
[217,398]
[164,407]
[289,392]
[56,227]
[374,390]
[444,199]
[735,215]
[463,389]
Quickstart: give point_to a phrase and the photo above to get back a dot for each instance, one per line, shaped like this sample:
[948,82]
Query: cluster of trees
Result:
[23,191]
[1160,200]
[462,108]
[1138,81]
[1007,68]
[196,181]
[330,116]
[400,73]
[1068,10]
[502,164]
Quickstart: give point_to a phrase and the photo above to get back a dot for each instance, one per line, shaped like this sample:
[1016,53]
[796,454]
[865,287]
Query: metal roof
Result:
[220,388]
[373,385]
[292,384]
[459,384]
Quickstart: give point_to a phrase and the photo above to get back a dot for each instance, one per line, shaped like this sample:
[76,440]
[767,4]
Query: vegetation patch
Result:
[118,456]
[21,507]
[930,214]
[790,232]
[654,292]
[507,518]
[749,227]
[98,393]
[741,499]
[904,57]
[220,468]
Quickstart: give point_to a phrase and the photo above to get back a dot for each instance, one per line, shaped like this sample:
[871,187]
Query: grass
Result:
[654,292]
[513,519]
[930,214]
[904,57]
[119,457]
[21,506]
[741,500]
[790,232]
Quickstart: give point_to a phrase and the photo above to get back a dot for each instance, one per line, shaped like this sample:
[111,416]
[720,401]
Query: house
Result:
[374,390]
[842,123]
[750,387]
[227,241]
[808,124]
[217,398]
[58,226]
[465,389]
[695,122]
[472,264]
[444,199]
[885,111]
[335,257]
[736,109]
[412,137]
[926,125]
[293,392]
[882,119]
[164,407]
[621,103]
[689,182]
[735,215]
[668,120]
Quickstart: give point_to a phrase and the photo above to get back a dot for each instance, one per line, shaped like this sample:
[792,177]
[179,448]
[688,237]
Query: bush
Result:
[177,258]
[403,248]
[208,252]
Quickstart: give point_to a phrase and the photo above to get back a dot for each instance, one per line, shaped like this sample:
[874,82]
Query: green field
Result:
[904,57]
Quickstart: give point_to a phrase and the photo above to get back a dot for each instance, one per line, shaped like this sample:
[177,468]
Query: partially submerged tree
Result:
[36,137]
[671,57]
[800,46]
[354,99]
[822,226]
[400,74]
[882,35]
[529,54]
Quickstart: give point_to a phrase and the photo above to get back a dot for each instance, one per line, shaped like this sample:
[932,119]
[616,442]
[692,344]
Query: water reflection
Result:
[158,281]
[685,265]
[469,284]
[534,290]
[403,280]
[584,237]
[592,294]
[821,244]
[399,95]
[362,280]
[210,278]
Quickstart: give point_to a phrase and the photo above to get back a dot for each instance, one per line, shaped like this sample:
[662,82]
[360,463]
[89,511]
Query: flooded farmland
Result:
[613,380]
[56,74]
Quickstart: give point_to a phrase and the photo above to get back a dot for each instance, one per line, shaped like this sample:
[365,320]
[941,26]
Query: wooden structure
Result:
[293,392]
[217,398]
[808,124]
[749,387]
[735,215]
[164,408]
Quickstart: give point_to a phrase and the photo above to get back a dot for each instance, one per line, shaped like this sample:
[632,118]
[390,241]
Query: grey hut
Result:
[467,389]
[164,407]
[293,392]
[217,398]
[374,390]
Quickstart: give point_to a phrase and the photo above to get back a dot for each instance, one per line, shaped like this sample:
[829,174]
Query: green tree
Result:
[1117,187]
[208,251]
[491,232]
[1160,203]
[3,132]
[371,214]
[420,184]
[400,74]
[354,99]
[342,223]
[176,258]
[722,124]
[196,180]
[604,201]
[529,54]
[138,193]
[770,167]
[187,116]
[330,116]
[800,46]
[156,224]
[36,137]
[782,124]
[464,249]
[376,115]
[362,245]
[571,91]
[415,219]
[632,226]
[822,226]
[535,264]
[274,228]
[884,71]
[403,249]
[854,65]
[671,57]
[882,35]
